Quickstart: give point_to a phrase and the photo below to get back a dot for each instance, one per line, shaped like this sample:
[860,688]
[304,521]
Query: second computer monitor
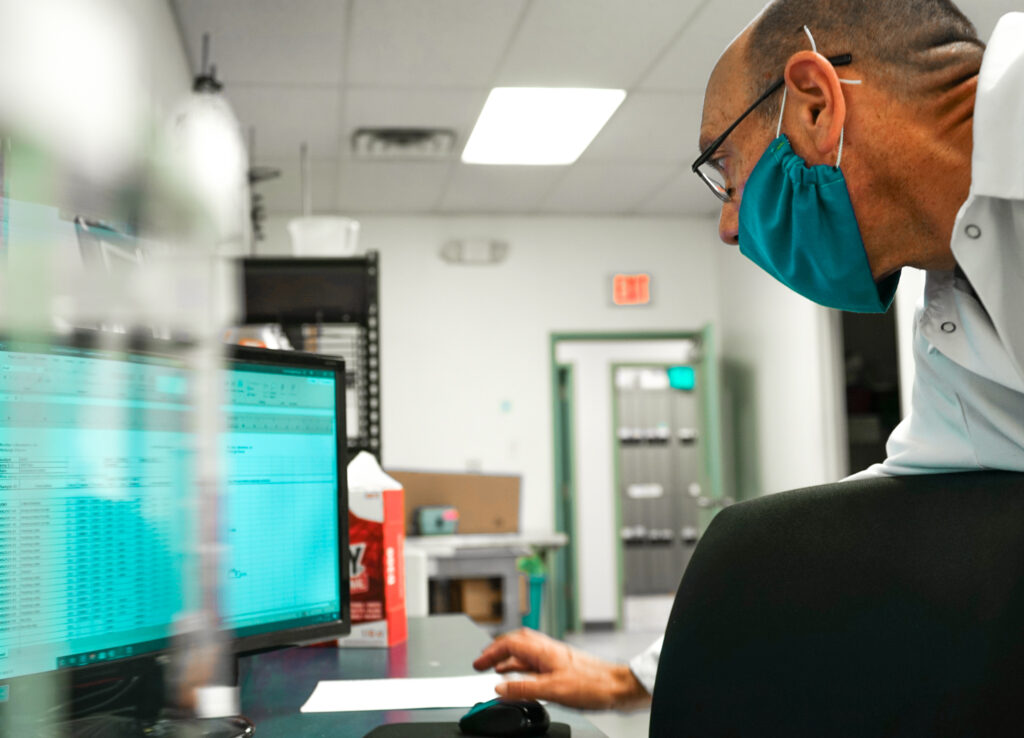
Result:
[285,522]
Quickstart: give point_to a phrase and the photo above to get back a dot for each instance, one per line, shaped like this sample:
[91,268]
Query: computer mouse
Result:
[510,718]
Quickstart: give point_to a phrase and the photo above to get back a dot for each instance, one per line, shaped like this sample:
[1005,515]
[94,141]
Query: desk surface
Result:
[276,684]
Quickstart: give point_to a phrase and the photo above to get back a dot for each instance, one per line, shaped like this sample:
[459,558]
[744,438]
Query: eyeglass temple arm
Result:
[836,61]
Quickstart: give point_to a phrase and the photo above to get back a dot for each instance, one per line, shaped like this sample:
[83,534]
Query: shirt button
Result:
[972,231]
[948,327]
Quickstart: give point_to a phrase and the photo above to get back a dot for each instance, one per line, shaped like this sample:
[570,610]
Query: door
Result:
[661,476]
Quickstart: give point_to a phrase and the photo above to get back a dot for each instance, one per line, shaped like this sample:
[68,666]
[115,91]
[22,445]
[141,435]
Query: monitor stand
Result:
[221,701]
[138,709]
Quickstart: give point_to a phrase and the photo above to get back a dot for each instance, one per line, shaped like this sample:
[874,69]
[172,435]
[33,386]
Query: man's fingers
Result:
[531,649]
[559,687]
[494,654]
[524,689]
[511,664]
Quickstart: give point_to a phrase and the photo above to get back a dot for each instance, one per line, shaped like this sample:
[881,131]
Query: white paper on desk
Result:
[353,695]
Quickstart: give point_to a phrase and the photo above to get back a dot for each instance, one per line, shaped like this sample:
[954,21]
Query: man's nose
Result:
[729,224]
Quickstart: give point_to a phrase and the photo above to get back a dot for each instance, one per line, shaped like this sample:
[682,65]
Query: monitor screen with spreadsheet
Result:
[97,548]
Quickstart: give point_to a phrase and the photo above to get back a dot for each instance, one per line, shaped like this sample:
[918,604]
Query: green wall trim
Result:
[566,569]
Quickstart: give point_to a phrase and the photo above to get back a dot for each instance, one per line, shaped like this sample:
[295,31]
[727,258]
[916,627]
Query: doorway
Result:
[588,506]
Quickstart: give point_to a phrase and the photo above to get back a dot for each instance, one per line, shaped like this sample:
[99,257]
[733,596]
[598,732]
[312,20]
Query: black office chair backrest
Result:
[887,607]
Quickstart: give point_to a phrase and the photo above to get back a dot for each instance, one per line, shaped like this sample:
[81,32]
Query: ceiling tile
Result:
[449,43]
[683,194]
[606,188]
[650,127]
[499,189]
[410,107]
[591,43]
[688,63]
[277,42]
[284,117]
[284,194]
[392,187]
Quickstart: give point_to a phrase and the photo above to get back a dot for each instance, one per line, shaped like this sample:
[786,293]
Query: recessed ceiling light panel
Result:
[539,125]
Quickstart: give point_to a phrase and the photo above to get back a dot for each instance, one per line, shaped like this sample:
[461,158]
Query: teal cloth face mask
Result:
[797,223]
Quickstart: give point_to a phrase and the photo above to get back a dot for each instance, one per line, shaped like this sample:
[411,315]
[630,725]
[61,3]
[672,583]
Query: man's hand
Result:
[560,674]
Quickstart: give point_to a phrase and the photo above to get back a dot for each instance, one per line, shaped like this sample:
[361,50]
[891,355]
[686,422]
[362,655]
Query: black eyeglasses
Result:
[707,171]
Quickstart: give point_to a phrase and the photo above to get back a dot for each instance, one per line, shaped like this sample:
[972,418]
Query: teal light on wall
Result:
[682,377]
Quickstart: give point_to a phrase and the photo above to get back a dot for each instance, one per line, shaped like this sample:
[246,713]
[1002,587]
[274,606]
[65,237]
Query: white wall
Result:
[783,382]
[465,350]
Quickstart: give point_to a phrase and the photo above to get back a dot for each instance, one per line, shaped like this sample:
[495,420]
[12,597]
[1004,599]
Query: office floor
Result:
[644,620]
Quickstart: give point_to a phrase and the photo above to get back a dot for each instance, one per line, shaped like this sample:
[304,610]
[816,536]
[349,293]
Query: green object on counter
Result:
[534,567]
[531,565]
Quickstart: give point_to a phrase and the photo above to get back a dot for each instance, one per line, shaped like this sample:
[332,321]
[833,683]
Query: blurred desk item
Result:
[488,556]
[275,685]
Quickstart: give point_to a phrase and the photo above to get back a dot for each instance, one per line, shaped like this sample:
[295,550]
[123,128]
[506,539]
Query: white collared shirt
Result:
[967,410]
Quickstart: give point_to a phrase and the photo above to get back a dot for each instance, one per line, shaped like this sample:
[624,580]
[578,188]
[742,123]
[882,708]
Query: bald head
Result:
[908,47]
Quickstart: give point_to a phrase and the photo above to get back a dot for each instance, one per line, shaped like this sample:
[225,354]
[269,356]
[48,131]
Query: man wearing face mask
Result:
[847,140]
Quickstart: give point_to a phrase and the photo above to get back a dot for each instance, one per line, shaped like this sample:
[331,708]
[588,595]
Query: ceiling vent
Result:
[403,143]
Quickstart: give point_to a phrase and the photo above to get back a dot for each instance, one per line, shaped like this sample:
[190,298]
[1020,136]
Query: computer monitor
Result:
[96,546]
[285,523]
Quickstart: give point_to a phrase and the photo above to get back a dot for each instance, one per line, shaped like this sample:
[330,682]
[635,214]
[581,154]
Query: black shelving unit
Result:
[328,306]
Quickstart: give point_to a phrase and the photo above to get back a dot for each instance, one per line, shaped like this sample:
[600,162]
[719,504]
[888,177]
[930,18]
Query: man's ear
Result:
[816,96]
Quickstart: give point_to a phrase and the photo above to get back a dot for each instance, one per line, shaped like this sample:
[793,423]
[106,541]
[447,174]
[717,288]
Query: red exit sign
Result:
[631,289]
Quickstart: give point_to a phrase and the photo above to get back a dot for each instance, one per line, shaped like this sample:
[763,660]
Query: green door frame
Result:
[566,569]
[565,602]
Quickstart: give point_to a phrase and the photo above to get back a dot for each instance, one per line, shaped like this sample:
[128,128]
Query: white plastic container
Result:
[324,235]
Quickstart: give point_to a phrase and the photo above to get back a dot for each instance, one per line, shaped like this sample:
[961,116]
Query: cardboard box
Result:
[487,503]
[480,599]
[376,520]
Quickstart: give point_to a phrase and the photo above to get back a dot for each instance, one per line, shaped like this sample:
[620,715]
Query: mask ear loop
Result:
[839,156]
[814,46]
[782,109]
[778,128]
